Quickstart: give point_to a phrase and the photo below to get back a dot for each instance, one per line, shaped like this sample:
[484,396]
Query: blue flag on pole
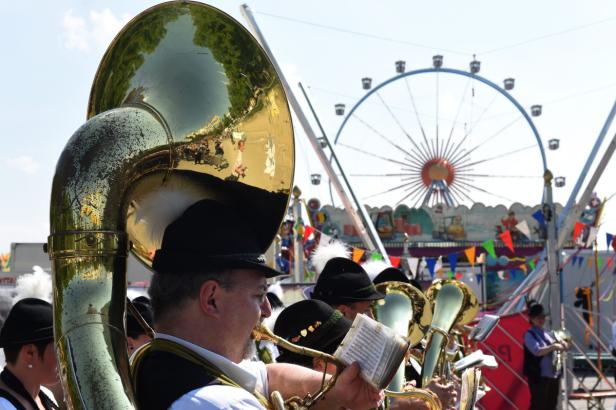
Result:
[538,215]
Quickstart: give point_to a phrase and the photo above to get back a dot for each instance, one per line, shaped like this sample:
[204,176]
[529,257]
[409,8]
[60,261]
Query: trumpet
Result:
[561,335]
[263,333]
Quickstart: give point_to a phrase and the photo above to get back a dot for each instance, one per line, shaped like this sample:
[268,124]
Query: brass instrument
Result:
[406,310]
[185,105]
[454,303]
[262,333]
[561,335]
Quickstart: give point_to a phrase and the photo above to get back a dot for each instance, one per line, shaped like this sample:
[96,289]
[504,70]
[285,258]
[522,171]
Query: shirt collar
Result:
[236,373]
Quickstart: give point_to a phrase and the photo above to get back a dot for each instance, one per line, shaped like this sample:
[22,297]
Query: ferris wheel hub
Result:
[437,169]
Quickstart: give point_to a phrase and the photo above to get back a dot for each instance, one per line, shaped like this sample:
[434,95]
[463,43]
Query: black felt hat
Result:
[344,281]
[210,235]
[391,275]
[313,324]
[536,310]
[30,320]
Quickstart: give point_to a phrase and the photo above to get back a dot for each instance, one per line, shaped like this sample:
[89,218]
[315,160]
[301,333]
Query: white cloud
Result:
[24,163]
[97,30]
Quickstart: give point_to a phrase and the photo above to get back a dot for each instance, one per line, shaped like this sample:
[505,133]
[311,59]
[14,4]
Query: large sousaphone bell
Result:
[453,303]
[185,106]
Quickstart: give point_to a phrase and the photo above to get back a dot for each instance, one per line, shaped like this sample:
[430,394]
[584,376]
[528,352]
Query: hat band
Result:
[323,328]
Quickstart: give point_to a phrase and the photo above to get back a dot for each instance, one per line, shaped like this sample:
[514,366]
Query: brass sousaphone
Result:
[185,105]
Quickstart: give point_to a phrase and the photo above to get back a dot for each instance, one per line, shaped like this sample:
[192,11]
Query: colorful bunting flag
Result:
[507,240]
[532,264]
[609,262]
[599,262]
[589,262]
[523,227]
[574,259]
[395,261]
[470,255]
[478,278]
[577,230]
[450,275]
[538,215]
[592,235]
[431,263]
[376,256]
[458,276]
[453,261]
[358,254]
[610,240]
[308,230]
[580,260]
[413,265]
[489,247]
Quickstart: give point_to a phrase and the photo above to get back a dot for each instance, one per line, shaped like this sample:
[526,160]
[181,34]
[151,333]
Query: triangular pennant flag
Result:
[376,256]
[609,262]
[592,235]
[589,262]
[599,261]
[610,240]
[470,255]
[580,260]
[453,261]
[577,230]
[308,230]
[506,238]
[478,278]
[458,276]
[574,259]
[523,227]
[431,263]
[489,247]
[532,264]
[357,254]
[450,275]
[395,261]
[413,265]
[538,215]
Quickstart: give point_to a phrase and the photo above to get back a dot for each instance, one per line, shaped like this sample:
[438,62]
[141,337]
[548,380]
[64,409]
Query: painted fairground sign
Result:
[439,226]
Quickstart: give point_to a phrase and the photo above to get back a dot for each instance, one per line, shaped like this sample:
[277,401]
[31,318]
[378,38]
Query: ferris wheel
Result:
[442,136]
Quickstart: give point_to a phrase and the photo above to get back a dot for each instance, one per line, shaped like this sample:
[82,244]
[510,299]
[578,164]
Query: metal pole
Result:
[298,243]
[364,227]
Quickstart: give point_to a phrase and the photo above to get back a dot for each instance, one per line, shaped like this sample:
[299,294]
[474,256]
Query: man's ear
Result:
[209,293]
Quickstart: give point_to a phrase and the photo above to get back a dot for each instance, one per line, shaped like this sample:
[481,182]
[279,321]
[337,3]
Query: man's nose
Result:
[266,308]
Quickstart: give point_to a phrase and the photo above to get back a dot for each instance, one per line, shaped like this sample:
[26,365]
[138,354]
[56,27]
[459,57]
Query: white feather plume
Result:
[326,251]
[276,289]
[374,267]
[33,285]
[271,321]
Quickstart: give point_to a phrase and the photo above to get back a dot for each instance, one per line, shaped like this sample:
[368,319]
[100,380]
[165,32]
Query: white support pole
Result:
[365,228]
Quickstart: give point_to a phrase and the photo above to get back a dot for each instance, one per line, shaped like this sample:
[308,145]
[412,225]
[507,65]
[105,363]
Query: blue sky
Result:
[560,52]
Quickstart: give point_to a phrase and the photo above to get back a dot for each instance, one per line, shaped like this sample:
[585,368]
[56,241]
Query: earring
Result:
[29,366]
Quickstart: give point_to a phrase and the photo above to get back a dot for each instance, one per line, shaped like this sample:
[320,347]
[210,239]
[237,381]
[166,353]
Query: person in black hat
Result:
[314,324]
[136,335]
[539,346]
[391,274]
[27,340]
[345,285]
[208,292]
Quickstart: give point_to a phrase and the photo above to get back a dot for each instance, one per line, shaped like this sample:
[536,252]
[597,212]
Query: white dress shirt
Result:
[251,376]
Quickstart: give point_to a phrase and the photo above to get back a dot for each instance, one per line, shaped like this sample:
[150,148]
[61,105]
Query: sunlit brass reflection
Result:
[185,105]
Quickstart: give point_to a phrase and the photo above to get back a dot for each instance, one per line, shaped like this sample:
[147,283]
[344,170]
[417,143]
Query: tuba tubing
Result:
[88,247]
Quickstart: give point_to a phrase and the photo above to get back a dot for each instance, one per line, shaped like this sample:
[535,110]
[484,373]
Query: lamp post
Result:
[298,243]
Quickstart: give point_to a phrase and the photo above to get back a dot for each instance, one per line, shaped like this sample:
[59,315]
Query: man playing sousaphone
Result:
[208,293]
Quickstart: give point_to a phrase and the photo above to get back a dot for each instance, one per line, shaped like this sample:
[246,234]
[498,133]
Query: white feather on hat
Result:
[326,251]
[33,285]
[276,289]
[374,267]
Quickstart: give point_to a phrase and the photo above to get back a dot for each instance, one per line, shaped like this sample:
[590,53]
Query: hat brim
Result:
[178,262]
[368,298]
[20,342]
